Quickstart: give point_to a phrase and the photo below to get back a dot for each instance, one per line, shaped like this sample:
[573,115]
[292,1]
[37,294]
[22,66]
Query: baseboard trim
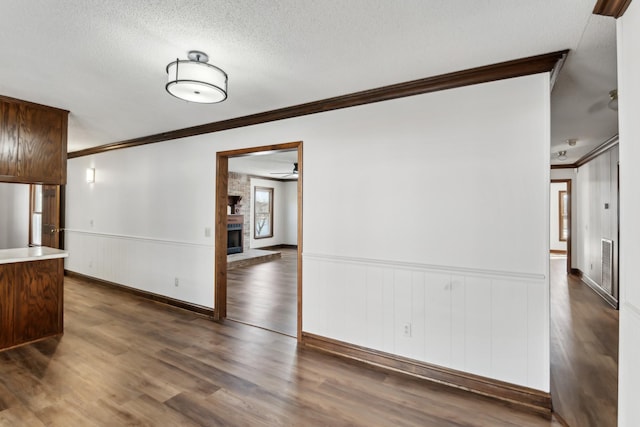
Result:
[517,396]
[598,290]
[195,308]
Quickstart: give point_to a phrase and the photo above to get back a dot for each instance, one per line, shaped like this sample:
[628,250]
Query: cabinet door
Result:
[7,302]
[38,311]
[8,138]
[40,155]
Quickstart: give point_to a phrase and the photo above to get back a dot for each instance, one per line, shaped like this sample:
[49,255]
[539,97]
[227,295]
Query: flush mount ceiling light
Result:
[613,102]
[562,155]
[195,80]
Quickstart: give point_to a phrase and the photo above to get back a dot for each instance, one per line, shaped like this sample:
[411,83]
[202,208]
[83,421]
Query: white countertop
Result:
[8,256]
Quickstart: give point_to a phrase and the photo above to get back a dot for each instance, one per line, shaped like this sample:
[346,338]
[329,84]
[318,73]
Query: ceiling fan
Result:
[294,172]
[611,102]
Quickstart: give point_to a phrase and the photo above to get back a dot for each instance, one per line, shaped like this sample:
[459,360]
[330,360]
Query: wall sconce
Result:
[91,175]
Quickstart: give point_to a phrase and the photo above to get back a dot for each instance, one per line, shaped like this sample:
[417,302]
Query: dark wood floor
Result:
[584,352]
[265,295]
[128,361]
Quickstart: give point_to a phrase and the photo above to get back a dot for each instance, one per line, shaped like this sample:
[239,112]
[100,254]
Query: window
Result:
[563,201]
[262,212]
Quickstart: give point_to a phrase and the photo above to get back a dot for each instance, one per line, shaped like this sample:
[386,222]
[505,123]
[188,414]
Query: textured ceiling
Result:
[104,61]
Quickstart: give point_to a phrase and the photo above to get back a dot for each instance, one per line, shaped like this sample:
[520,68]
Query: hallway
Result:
[584,352]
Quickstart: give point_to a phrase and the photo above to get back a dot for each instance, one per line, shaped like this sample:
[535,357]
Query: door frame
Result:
[222,192]
[569,220]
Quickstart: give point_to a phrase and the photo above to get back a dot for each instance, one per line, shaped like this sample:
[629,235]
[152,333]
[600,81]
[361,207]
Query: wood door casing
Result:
[222,178]
[51,216]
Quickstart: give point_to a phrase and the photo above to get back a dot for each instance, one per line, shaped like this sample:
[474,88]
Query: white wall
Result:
[554,215]
[411,229]
[14,215]
[285,213]
[597,186]
[629,91]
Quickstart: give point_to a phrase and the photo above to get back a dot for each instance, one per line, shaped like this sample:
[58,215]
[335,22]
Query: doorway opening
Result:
[560,220]
[251,294]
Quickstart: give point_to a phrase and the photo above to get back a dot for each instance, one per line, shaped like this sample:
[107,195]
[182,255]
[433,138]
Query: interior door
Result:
[51,216]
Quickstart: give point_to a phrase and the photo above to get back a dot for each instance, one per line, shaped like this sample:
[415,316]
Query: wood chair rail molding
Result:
[520,397]
[614,8]
[549,62]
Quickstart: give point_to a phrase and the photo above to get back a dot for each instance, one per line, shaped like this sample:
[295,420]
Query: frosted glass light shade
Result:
[196,81]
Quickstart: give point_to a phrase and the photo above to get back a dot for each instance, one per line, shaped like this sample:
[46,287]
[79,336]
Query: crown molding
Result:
[600,149]
[614,8]
[549,62]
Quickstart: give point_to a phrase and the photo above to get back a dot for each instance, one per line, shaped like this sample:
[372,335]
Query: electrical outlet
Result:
[406,330]
[176,282]
[207,232]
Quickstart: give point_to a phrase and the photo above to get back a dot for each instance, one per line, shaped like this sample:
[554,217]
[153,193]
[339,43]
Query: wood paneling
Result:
[8,138]
[615,8]
[523,397]
[7,304]
[127,361]
[38,299]
[488,324]
[504,70]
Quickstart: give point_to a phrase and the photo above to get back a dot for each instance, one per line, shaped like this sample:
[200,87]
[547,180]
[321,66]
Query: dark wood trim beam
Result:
[614,8]
[195,308]
[521,397]
[565,166]
[504,70]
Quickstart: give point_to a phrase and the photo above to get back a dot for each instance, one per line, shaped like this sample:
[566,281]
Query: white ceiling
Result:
[104,61]
[269,164]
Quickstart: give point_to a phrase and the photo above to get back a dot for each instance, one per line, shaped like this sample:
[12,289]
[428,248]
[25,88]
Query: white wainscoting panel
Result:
[150,265]
[488,323]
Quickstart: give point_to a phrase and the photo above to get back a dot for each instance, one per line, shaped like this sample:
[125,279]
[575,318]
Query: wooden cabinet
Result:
[7,304]
[8,139]
[31,301]
[33,142]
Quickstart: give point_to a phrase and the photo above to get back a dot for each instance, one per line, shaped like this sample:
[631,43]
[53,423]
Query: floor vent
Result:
[607,265]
